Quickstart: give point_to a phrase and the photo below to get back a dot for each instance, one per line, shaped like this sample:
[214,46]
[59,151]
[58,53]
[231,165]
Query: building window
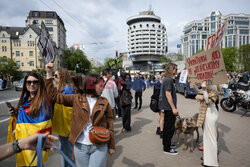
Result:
[247,39]
[30,36]
[31,53]
[239,40]
[234,40]
[230,31]
[50,29]
[48,21]
[17,53]
[193,47]
[212,16]
[242,31]
[35,22]
[22,64]
[3,35]
[35,14]
[18,63]
[243,40]
[241,22]
[229,41]
[31,63]
[22,54]
[50,14]
[193,36]
[140,25]
[2,48]
[153,25]
[212,28]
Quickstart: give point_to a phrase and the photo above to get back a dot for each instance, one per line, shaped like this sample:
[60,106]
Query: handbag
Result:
[39,153]
[99,135]
[126,98]
[154,105]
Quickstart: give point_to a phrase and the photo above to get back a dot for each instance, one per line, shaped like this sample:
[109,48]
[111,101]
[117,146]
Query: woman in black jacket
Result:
[126,101]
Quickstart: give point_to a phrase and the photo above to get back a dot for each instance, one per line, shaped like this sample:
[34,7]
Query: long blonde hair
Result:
[64,78]
[169,69]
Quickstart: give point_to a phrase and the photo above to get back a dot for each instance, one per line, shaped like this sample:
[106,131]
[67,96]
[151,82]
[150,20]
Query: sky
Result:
[100,25]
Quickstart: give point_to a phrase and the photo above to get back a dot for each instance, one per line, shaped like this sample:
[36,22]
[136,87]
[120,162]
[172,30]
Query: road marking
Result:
[4,120]
[9,100]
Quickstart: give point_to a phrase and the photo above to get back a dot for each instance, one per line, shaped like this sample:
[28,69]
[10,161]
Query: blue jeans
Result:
[66,147]
[225,92]
[90,155]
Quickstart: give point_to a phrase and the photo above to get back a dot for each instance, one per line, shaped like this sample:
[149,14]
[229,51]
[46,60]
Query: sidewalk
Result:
[143,148]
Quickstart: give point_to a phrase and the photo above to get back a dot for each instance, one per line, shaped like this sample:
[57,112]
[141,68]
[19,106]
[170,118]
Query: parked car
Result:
[184,88]
[19,85]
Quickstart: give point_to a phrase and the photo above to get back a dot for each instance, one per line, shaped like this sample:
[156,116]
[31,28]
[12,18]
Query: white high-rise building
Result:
[147,39]
[196,32]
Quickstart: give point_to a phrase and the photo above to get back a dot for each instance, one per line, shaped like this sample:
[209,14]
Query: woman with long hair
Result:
[33,115]
[208,117]
[89,109]
[62,114]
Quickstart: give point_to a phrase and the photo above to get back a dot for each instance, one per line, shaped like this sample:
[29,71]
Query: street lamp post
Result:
[77,65]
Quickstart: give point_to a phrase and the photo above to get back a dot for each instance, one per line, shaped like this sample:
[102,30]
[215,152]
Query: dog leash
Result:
[39,152]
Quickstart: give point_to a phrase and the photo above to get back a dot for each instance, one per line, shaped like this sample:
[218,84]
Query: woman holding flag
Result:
[33,115]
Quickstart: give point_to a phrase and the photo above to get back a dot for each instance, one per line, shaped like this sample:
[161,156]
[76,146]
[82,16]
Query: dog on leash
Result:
[187,126]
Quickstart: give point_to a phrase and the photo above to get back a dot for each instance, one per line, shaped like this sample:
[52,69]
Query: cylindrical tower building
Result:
[147,39]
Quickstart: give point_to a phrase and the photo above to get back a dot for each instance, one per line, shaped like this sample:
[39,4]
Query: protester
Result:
[167,102]
[126,101]
[89,109]
[139,86]
[110,89]
[33,115]
[156,95]
[62,115]
[209,115]
[28,143]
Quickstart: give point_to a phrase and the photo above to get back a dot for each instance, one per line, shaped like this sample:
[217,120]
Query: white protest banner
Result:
[208,65]
[183,76]
[45,45]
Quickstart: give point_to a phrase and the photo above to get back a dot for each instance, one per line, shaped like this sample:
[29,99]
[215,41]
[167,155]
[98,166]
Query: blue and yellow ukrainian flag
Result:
[62,115]
[27,126]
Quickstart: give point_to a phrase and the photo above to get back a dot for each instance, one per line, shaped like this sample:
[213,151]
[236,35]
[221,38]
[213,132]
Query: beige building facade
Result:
[20,44]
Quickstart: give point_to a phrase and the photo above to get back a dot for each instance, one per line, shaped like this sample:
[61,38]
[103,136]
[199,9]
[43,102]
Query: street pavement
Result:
[143,148]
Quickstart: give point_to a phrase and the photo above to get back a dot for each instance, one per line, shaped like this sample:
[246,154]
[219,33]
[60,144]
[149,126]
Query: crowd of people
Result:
[73,105]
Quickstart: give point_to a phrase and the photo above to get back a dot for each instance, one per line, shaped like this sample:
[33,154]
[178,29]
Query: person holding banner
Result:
[208,116]
[62,114]
[33,115]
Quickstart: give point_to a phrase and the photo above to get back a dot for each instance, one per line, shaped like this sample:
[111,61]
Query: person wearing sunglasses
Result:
[32,115]
[62,114]
[89,109]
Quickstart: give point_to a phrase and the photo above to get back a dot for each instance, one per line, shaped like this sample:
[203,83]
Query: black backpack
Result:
[155,98]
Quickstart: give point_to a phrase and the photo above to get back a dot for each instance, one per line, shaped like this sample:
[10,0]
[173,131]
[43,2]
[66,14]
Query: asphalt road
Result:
[141,147]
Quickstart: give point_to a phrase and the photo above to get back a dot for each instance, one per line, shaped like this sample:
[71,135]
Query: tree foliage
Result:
[8,66]
[112,63]
[230,56]
[165,59]
[244,57]
[75,60]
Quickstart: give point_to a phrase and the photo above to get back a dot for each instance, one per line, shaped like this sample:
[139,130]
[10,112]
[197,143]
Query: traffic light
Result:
[116,53]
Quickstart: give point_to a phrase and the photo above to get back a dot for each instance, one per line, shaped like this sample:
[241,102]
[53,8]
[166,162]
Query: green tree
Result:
[179,57]
[75,60]
[244,57]
[165,59]
[8,66]
[113,63]
[230,56]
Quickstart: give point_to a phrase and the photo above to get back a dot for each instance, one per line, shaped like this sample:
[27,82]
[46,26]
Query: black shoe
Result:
[171,152]
[139,108]
[135,107]
[158,131]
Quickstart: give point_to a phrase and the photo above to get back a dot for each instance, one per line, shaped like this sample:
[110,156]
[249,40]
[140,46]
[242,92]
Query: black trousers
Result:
[126,117]
[168,129]
[138,95]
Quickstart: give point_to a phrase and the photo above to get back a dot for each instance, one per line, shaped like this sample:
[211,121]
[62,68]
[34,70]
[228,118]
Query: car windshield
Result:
[22,80]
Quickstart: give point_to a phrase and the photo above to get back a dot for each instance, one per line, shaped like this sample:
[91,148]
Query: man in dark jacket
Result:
[139,86]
